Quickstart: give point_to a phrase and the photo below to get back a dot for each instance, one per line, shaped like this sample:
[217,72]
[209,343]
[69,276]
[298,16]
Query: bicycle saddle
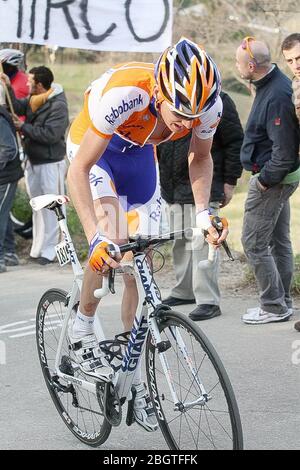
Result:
[46,200]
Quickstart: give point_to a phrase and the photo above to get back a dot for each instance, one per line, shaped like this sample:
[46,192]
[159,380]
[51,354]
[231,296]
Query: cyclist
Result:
[113,179]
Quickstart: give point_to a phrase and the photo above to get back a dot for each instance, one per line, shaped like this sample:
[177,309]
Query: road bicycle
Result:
[190,390]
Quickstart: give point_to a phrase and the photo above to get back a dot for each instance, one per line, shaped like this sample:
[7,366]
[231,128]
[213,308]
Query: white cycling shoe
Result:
[89,356]
[143,410]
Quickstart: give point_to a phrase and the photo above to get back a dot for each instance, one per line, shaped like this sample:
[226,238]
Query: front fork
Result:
[162,347]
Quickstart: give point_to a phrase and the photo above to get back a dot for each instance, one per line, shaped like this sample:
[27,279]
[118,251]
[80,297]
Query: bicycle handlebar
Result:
[104,290]
[140,244]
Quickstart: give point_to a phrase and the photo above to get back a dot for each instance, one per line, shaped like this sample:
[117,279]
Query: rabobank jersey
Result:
[121,102]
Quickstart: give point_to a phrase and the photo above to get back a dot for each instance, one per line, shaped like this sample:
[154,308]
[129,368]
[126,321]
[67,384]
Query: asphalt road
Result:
[263,363]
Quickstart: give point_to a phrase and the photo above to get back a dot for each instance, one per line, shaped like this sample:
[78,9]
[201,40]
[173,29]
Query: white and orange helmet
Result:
[187,78]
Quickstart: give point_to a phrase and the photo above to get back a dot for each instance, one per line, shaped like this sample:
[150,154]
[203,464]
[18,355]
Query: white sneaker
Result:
[89,356]
[257,316]
[252,309]
[143,409]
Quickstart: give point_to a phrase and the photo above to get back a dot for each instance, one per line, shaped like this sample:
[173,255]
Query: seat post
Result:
[58,212]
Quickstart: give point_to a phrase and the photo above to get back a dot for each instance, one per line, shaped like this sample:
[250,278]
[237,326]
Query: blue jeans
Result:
[7,239]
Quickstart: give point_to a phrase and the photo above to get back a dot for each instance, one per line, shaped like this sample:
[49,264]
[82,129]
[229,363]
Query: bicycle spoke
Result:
[175,383]
[220,424]
[83,417]
[202,417]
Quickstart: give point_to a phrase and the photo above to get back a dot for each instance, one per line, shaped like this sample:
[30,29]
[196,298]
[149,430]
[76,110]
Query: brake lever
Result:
[111,275]
[217,224]
[111,280]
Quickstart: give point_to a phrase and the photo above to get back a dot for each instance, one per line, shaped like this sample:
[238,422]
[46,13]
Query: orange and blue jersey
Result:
[120,106]
[121,102]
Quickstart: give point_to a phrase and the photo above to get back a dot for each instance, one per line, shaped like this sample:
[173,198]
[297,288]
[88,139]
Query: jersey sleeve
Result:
[110,108]
[209,121]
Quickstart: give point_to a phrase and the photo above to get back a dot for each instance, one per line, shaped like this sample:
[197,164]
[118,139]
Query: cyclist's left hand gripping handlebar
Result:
[103,254]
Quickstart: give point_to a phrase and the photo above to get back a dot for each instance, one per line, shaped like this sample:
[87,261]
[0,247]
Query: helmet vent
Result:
[164,90]
[183,99]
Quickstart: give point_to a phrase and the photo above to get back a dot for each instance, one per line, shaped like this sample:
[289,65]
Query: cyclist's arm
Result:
[201,170]
[91,149]
[201,173]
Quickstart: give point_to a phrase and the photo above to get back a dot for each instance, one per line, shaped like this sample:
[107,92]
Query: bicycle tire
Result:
[79,419]
[226,422]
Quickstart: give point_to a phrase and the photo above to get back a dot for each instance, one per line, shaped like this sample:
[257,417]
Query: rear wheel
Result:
[206,415]
[78,408]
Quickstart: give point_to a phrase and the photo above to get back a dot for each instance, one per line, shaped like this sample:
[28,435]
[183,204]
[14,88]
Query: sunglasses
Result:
[246,46]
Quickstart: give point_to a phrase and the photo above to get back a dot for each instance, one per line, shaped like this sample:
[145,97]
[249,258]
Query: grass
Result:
[77,233]
[21,208]
[296,284]
[243,104]
[75,78]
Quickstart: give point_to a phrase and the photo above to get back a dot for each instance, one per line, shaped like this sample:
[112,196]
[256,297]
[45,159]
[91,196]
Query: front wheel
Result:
[194,402]
[78,408]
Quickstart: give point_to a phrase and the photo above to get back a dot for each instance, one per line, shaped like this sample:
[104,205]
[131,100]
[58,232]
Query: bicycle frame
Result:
[145,320]
[72,299]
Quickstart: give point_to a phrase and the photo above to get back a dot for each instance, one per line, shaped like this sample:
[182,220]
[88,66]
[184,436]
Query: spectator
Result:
[10,173]
[44,143]
[12,61]
[291,51]
[196,281]
[270,152]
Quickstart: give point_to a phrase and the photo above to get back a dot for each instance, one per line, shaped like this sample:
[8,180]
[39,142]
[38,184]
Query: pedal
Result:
[163,346]
[112,409]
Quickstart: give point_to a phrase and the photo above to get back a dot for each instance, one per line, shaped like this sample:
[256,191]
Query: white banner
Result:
[102,25]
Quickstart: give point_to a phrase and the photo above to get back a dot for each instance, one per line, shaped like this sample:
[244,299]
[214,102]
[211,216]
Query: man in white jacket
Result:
[44,130]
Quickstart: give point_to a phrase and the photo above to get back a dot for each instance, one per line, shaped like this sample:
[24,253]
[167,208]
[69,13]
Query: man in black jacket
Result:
[10,173]
[270,152]
[290,49]
[197,280]
[44,130]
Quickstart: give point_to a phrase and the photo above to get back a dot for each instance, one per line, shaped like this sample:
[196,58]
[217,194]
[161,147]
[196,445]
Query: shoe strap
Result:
[95,364]
[87,343]
[144,403]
